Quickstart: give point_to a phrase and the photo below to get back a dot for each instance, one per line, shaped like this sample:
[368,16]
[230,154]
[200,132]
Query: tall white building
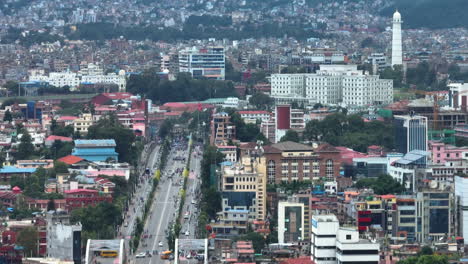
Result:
[332,84]
[203,62]
[397,50]
[323,239]
[331,244]
[461,193]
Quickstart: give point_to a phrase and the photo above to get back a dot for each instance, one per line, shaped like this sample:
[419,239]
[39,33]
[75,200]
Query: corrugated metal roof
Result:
[13,169]
[95,143]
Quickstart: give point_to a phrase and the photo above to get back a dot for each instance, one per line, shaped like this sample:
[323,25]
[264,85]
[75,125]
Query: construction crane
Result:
[435,98]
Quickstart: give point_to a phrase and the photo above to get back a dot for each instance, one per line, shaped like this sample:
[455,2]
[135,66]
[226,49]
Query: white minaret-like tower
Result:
[397,53]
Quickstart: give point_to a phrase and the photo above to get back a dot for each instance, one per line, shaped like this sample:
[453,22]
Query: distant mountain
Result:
[434,14]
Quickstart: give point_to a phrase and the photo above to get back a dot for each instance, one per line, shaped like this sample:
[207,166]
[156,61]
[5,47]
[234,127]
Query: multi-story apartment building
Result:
[441,153]
[289,161]
[332,84]
[283,119]
[82,123]
[221,128]
[243,188]
[436,213]
[203,62]
[332,244]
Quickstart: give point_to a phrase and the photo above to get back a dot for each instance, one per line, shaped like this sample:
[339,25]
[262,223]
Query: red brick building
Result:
[289,161]
[83,198]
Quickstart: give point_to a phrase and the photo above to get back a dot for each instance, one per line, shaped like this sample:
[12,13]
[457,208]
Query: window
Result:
[348,237]
[329,168]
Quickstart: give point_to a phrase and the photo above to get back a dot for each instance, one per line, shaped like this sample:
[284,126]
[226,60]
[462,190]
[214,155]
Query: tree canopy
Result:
[291,135]
[384,184]
[25,148]
[184,88]
[425,259]
[261,101]
[350,131]
[109,128]
[28,238]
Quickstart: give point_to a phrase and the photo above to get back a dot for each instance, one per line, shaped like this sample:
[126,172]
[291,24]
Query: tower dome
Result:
[396,15]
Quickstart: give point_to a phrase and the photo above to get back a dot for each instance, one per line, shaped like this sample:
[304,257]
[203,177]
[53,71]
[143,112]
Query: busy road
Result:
[142,191]
[164,207]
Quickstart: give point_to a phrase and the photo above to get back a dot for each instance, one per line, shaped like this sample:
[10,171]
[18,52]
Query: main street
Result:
[164,207]
[192,197]
[142,191]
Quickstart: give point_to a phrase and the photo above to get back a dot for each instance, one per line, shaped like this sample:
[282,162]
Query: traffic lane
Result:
[130,215]
[172,164]
[157,217]
[171,209]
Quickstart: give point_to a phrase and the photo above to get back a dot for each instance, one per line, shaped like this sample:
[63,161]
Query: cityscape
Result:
[233,132]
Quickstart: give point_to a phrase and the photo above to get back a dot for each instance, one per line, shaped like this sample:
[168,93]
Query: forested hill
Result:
[434,14]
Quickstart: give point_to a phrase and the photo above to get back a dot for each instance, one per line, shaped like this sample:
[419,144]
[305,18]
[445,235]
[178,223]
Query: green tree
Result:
[60,167]
[425,259]
[261,101]
[312,130]
[426,250]
[28,238]
[12,87]
[384,184]
[25,148]
[258,241]
[8,117]
[395,73]
[109,128]
[291,135]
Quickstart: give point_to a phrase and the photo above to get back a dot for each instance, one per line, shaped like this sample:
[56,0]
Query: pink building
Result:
[441,152]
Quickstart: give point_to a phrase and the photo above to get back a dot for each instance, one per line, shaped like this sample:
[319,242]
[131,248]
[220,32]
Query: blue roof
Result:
[95,143]
[13,169]
[412,157]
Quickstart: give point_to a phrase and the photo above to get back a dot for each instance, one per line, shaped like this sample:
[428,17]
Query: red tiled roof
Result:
[53,138]
[81,190]
[70,159]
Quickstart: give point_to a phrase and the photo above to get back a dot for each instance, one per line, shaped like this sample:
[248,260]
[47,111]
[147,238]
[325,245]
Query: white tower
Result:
[397,53]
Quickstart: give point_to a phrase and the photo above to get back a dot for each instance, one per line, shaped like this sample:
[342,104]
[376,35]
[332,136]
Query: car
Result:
[189,256]
[140,255]
[193,202]
[186,215]
[187,233]
[125,224]
[161,243]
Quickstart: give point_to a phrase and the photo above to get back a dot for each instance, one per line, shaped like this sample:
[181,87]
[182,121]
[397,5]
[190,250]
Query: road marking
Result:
[160,222]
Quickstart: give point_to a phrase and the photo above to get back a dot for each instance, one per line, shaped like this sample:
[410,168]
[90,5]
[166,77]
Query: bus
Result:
[108,253]
[166,254]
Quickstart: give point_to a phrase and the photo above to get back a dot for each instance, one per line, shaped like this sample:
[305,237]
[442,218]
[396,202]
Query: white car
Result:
[161,243]
[187,233]
[140,255]
[193,202]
